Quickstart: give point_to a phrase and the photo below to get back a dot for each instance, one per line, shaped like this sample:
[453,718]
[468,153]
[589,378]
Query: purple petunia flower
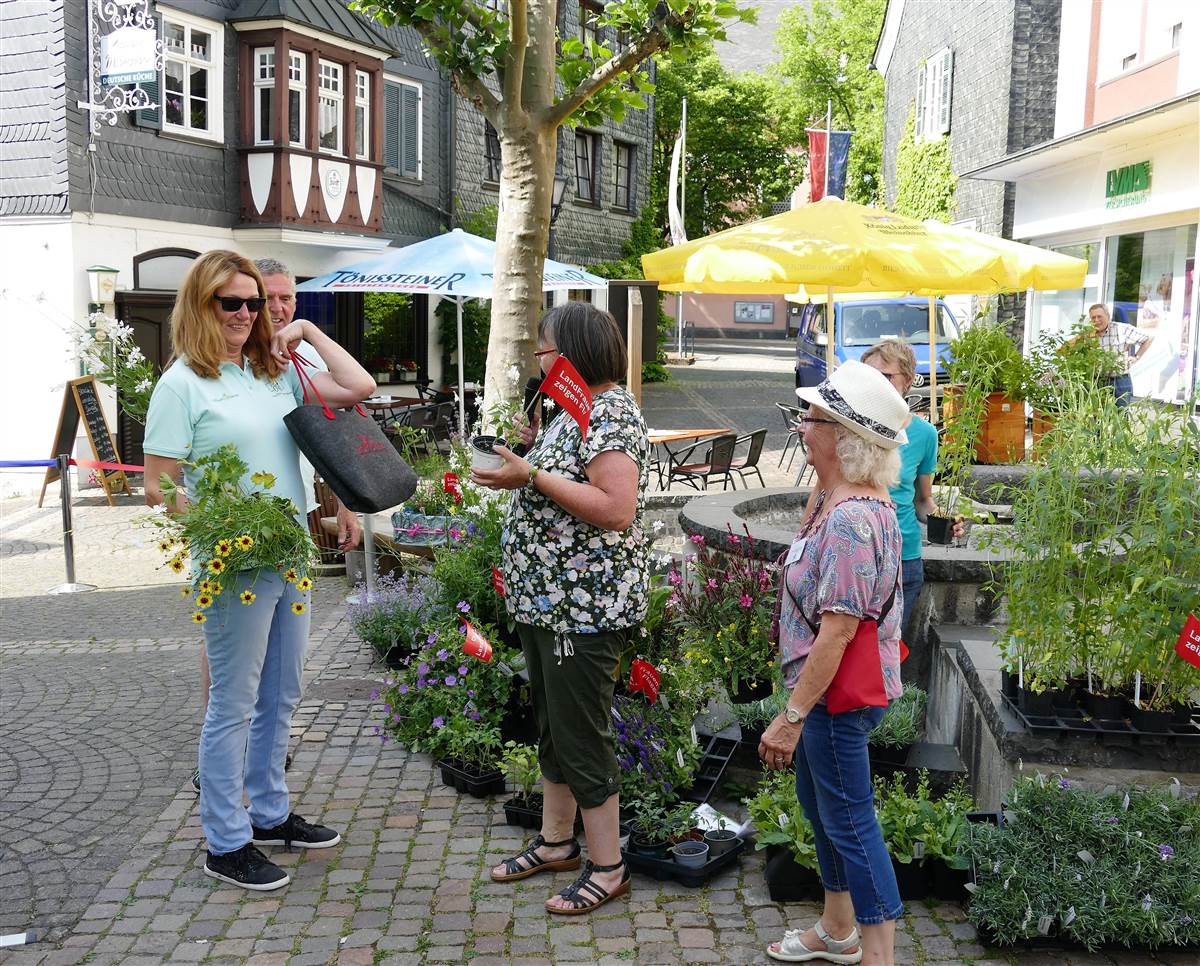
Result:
[462,669]
[1165,852]
[422,669]
[470,694]
[432,638]
[474,715]
[443,654]
[464,607]
[439,722]
[1063,783]
[403,689]
[451,680]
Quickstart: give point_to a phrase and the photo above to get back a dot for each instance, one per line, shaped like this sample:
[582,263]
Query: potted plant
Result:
[391,620]
[681,824]
[380,368]
[726,607]
[988,377]
[720,839]
[1090,867]
[781,828]
[430,515]
[649,836]
[904,819]
[902,726]
[754,716]
[945,844]
[407,370]
[519,763]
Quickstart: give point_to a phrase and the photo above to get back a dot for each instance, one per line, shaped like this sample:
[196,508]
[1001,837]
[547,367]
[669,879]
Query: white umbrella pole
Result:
[679,322]
[830,319]
[933,360]
[369,555]
[462,395]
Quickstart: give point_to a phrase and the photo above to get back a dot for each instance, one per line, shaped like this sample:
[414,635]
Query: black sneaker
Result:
[287,762]
[246,867]
[293,830]
[196,781]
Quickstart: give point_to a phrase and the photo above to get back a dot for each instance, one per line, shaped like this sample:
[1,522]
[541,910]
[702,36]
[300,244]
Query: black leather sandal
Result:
[585,896]
[530,863]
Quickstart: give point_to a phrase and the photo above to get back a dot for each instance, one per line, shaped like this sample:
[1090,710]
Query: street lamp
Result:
[556,203]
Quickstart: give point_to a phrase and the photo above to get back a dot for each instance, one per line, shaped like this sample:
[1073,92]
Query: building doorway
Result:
[147,313]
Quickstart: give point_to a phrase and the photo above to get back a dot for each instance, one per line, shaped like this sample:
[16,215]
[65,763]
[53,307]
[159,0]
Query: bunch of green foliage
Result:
[1096,868]
[925,181]
[904,721]
[521,769]
[779,819]
[1059,360]
[917,827]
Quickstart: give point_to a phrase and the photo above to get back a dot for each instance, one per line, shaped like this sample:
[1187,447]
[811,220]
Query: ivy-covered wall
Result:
[925,181]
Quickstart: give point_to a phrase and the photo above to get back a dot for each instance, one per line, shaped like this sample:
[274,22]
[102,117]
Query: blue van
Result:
[861,322]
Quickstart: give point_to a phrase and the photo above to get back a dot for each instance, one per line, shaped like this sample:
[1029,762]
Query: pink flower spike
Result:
[745,600]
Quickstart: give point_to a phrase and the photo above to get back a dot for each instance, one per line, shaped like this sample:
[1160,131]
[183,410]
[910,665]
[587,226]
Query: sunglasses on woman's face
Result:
[543,352]
[234,303]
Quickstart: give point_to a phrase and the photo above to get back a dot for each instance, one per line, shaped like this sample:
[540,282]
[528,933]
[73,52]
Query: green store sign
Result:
[1129,185]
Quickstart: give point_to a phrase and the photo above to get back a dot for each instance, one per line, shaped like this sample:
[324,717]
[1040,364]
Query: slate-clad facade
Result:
[292,129]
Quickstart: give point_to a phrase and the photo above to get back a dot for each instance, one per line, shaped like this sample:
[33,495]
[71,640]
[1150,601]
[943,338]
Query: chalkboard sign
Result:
[80,399]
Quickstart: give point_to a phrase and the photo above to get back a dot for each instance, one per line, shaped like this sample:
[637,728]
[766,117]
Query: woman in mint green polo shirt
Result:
[913,495]
[231,382]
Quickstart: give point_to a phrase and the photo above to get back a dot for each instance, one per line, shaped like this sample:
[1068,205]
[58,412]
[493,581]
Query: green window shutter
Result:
[152,119]
[410,148]
[391,125]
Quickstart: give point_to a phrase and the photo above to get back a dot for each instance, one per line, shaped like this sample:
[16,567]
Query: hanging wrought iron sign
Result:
[123,49]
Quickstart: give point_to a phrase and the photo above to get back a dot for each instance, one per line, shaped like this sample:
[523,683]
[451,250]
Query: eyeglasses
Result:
[233,303]
[892,375]
[816,419]
[543,352]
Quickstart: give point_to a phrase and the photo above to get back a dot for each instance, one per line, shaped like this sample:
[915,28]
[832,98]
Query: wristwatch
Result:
[793,715]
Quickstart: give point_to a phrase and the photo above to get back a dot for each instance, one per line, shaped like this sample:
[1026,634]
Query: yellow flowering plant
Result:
[226,530]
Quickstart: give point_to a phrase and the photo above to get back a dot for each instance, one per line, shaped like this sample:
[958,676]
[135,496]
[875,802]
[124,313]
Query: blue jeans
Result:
[255,659]
[912,579]
[833,783]
[1122,386]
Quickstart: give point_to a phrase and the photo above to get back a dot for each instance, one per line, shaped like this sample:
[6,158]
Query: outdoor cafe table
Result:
[665,438]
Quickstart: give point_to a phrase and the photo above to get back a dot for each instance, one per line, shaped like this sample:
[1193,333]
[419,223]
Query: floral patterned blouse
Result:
[849,564]
[560,573]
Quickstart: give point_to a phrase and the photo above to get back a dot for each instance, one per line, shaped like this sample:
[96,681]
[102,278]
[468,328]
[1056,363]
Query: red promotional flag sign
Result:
[498,582]
[645,678]
[816,164]
[565,386]
[1188,646]
[476,645]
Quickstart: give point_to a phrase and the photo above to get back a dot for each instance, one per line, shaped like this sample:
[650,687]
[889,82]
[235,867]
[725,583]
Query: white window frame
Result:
[264,79]
[337,99]
[216,74]
[362,101]
[935,90]
[299,84]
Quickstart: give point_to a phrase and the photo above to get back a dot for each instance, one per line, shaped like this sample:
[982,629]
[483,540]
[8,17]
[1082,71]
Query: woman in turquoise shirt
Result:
[913,495]
[231,382]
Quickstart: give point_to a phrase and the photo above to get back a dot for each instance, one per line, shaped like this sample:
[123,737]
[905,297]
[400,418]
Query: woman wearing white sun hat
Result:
[843,569]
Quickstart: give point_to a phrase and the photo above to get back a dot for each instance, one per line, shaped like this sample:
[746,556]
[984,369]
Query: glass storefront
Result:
[1146,278]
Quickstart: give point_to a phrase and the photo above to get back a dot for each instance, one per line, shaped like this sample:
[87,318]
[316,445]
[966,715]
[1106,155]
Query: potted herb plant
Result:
[781,828]
[391,620]
[905,819]
[945,844]
[407,370]
[649,836]
[519,763]
[726,607]
[902,726]
[471,761]
[720,839]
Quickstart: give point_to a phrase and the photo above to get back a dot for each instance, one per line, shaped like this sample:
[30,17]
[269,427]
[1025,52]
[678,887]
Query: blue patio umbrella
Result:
[456,265]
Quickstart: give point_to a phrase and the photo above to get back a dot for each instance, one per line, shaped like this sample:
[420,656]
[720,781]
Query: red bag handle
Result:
[300,362]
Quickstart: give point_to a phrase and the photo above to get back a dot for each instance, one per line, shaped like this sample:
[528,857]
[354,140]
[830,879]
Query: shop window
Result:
[389,333]
[1060,311]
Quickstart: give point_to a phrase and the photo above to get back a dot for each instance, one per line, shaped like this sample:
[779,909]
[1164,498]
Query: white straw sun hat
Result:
[862,399]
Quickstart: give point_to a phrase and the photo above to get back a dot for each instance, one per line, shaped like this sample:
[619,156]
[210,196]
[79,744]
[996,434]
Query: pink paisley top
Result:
[849,564]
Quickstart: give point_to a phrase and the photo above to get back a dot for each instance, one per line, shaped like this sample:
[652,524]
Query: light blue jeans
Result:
[833,784]
[255,659]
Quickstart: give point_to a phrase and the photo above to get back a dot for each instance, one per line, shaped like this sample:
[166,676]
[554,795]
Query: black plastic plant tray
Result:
[1074,721]
[663,869]
[711,769]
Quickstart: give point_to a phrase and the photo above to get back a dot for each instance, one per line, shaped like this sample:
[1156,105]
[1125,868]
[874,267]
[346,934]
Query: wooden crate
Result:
[1002,436]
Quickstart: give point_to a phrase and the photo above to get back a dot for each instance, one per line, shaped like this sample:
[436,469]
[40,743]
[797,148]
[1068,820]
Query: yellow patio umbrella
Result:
[843,246]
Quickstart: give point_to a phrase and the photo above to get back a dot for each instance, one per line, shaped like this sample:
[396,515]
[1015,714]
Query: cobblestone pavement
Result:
[101,849]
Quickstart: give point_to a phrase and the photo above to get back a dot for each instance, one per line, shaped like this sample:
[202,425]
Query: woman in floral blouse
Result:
[574,560]
[843,569]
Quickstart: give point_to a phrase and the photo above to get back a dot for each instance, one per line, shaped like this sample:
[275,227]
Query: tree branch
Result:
[513,79]
[604,75]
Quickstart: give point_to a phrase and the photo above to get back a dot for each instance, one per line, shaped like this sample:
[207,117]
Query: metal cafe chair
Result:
[791,423]
[741,465]
[716,464]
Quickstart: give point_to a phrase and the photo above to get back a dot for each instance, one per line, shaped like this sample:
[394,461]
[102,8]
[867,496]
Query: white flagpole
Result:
[828,139]
[682,217]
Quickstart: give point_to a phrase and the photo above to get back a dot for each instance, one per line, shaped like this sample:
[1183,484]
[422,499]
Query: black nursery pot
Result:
[913,879]
[1035,704]
[640,844]
[470,780]
[1106,707]
[788,881]
[949,885]
[524,812]
[1008,684]
[1151,722]
[940,529]
[749,692]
